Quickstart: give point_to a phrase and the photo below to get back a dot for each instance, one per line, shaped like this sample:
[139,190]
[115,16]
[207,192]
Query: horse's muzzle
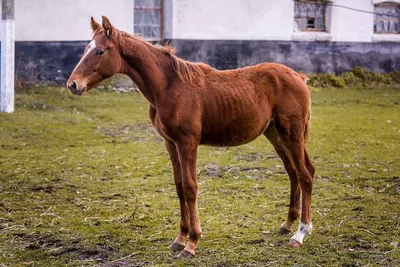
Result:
[73,87]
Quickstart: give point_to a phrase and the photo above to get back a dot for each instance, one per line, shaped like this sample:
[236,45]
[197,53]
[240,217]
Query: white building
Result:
[312,36]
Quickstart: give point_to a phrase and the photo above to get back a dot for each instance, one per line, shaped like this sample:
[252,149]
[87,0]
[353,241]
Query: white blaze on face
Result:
[92,45]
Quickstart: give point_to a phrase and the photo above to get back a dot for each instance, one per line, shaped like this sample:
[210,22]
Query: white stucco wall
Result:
[232,19]
[352,26]
[67,20]
[268,20]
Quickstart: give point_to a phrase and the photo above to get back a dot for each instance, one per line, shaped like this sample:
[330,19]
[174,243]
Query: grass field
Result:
[87,181]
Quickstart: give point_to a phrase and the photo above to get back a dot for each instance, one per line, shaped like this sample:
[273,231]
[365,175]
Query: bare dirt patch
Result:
[36,241]
[130,132]
[214,170]
[256,156]
[44,188]
[74,248]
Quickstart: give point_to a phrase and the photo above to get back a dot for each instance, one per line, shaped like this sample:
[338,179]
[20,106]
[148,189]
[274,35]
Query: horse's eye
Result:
[99,52]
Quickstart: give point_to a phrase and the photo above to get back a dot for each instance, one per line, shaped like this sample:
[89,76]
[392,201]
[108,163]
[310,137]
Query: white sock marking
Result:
[301,232]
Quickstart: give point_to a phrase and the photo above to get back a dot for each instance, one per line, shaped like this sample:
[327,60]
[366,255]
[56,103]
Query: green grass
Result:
[87,181]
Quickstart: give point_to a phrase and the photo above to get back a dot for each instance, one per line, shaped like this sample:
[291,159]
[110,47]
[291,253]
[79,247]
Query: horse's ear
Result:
[94,24]
[108,28]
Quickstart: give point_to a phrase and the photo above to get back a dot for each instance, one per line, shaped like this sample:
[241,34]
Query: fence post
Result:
[7,57]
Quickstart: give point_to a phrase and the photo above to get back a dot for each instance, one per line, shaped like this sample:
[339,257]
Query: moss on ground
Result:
[86,181]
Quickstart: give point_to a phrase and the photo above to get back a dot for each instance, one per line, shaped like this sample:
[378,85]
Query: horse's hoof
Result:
[184,254]
[284,231]
[175,247]
[294,244]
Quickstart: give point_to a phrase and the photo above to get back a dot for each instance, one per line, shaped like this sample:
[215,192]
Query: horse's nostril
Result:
[73,85]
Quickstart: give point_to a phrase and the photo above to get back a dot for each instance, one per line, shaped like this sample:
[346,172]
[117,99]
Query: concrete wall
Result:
[67,20]
[311,57]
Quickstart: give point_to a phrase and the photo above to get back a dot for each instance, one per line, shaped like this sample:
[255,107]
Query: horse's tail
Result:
[308,123]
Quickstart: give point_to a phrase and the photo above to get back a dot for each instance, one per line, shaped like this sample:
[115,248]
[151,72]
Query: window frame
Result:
[324,16]
[161,9]
[377,4]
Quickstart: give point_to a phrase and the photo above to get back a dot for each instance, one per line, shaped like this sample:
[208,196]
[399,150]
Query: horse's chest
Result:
[155,120]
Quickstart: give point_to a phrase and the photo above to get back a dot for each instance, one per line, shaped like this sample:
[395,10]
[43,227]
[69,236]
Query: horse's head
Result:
[100,60]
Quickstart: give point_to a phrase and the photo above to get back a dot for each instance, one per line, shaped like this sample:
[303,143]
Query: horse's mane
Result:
[185,70]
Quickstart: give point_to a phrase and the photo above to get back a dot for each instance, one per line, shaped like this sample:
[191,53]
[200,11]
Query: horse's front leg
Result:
[187,151]
[179,242]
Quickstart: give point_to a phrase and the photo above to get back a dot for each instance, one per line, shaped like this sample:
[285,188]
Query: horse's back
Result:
[264,79]
[265,85]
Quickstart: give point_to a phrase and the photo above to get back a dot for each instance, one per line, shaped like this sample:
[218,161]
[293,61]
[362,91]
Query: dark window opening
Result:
[311,23]
[310,15]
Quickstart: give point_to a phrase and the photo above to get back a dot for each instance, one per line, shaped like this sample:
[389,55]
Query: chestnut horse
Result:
[192,104]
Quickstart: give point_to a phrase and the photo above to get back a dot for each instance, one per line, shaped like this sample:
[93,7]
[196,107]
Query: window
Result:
[387,18]
[148,19]
[309,15]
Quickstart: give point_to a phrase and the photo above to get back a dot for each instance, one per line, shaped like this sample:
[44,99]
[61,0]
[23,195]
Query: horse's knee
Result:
[306,181]
[179,190]
[306,184]
[311,169]
[309,164]
[190,191]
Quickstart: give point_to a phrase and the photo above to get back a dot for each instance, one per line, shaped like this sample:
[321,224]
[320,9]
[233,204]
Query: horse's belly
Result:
[232,135]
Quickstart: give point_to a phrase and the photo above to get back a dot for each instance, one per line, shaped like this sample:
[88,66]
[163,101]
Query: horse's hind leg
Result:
[306,171]
[179,242]
[309,165]
[294,208]
[293,138]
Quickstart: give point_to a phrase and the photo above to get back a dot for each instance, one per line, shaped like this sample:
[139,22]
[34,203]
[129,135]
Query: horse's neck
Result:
[145,67]
[150,95]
